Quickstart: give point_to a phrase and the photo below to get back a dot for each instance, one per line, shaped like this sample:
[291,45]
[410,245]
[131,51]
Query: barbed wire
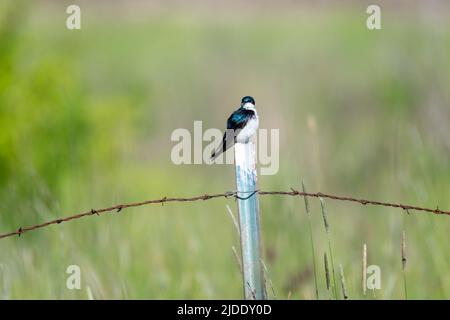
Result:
[230,194]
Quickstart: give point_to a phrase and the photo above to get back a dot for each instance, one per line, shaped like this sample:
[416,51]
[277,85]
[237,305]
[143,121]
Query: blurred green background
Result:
[86,117]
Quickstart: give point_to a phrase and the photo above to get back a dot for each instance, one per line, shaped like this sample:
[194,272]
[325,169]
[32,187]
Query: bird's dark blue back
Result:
[239,118]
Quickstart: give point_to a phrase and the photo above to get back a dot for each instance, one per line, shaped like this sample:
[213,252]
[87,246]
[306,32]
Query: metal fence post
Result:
[253,276]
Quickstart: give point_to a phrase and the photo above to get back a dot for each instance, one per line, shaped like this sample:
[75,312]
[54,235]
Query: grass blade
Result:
[266,272]
[364,269]
[344,288]
[236,225]
[327,230]
[404,258]
[327,272]
[238,258]
[308,212]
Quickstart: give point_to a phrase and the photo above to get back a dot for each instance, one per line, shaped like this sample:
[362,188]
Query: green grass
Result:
[330,248]
[313,250]
[86,118]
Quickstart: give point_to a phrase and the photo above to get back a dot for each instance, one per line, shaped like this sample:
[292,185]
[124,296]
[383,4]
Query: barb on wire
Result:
[233,194]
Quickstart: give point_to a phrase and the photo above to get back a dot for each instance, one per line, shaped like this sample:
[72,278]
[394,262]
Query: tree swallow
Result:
[241,126]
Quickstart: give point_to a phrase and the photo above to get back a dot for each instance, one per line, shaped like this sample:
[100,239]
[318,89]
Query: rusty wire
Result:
[233,194]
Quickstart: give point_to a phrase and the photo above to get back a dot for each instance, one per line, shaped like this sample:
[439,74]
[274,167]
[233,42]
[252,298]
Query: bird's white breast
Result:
[250,128]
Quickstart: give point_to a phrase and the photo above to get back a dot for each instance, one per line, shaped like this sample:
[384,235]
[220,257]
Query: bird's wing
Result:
[239,119]
[235,123]
[227,142]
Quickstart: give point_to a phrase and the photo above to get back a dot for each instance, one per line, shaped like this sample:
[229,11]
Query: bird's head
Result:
[248,102]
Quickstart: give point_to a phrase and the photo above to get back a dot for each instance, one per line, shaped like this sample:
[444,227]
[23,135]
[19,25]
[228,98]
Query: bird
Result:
[241,126]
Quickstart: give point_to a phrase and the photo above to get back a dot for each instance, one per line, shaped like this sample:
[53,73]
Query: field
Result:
[86,118]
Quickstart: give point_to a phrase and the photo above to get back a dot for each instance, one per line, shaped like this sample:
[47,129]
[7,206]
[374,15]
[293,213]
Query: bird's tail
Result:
[227,142]
[217,152]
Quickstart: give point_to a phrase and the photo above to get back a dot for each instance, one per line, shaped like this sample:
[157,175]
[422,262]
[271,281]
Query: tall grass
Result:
[268,279]
[327,273]
[343,285]
[313,255]
[364,269]
[330,249]
[404,259]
